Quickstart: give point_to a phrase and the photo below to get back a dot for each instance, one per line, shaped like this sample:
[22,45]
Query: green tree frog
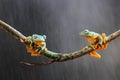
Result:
[96,41]
[37,44]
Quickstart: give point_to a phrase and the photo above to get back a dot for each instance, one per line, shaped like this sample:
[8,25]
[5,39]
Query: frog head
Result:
[38,39]
[87,33]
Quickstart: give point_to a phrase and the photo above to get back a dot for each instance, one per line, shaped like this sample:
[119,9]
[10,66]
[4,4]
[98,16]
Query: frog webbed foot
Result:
[104,43]
[104,40]
[27,39]
[95,55]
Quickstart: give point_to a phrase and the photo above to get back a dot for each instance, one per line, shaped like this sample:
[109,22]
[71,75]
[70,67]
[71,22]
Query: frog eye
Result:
[44,36]
[86,31]
[35,36]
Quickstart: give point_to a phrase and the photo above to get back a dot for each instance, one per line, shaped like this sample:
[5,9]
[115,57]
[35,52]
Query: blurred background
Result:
[61,21]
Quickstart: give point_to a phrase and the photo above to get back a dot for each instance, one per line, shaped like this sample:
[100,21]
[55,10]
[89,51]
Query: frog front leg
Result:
[104,40]
[105,44]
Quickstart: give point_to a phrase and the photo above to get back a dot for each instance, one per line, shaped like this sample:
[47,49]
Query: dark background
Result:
[61,21]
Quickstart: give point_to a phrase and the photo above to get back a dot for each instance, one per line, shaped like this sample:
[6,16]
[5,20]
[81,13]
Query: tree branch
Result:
[16,34]
[56,57]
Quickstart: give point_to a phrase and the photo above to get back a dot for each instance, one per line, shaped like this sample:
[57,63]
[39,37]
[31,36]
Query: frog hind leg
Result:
[95,55]
[35,54]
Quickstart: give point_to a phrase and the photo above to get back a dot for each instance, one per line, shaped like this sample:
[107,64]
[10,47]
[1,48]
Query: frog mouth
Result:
[84,35]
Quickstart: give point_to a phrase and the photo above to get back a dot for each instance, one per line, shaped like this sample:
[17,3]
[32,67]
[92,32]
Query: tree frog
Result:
[37,44]
[96,41]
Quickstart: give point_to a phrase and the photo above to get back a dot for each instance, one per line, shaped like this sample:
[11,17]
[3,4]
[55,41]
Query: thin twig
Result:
[38,64]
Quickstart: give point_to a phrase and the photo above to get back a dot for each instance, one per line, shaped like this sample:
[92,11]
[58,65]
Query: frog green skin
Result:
[96,41]
[37,44]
